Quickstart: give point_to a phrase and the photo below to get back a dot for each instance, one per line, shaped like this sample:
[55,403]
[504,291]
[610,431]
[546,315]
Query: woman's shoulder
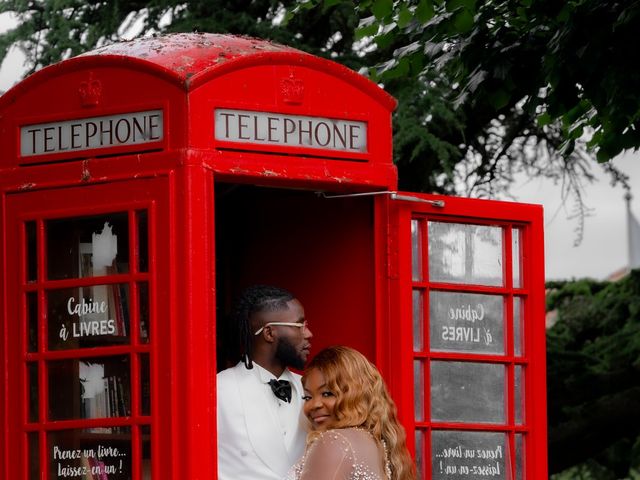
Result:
[347,433]
[334,445]
[353,433]
[341,453]
[353,439]
[340,435]
[359,448]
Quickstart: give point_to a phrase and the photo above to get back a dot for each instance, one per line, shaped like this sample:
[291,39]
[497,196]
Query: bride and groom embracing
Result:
[335,422]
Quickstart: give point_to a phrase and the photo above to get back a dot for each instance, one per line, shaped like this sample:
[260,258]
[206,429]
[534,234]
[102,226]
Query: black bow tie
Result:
[281,389]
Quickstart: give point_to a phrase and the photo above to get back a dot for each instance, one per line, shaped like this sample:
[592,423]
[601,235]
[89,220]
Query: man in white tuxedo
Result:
[261,428]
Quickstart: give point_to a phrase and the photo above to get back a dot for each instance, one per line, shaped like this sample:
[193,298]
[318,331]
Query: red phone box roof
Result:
[227,98]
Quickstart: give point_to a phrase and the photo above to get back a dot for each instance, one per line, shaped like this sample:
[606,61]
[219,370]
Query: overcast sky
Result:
[604,247]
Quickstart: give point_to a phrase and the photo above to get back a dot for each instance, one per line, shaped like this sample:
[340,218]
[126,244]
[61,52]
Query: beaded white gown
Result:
[342,454]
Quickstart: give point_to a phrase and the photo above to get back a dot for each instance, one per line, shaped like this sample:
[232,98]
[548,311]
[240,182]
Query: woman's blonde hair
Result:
[362,401]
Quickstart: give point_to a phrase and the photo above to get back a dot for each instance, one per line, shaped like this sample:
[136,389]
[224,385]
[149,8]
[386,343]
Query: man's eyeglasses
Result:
[301,326]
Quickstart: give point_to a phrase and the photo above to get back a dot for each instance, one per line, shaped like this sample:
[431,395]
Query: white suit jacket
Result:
[251,445]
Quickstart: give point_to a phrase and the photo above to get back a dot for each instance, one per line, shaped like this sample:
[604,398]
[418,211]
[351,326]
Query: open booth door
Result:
[463,334]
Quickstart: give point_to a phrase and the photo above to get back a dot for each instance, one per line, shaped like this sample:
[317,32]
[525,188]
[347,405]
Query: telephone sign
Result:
[91,133]
[290,130]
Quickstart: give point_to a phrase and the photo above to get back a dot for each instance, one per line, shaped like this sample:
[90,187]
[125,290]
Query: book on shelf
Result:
[113,407]
[85,261]
[109,400]
[118,308]
[146,469]
[121,399]
[114,295]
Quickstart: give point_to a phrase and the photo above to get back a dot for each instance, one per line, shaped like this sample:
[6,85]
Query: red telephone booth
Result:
[145,183]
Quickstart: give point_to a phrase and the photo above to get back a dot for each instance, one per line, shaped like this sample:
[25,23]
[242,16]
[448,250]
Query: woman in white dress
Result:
[356,434]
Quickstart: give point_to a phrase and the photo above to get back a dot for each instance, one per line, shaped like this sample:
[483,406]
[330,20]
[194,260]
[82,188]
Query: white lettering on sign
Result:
[91,133]
[262,128]
[90,462]
[471,468]
[472,456]
[83,307]
[87,327]
[467,313]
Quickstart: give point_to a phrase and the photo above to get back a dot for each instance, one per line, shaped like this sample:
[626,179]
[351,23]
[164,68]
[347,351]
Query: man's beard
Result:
[287,354]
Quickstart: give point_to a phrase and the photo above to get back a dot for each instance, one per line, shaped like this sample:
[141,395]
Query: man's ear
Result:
[268,334]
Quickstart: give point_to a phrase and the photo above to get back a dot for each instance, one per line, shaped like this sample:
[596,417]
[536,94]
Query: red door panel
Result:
[82,330]
[466,334]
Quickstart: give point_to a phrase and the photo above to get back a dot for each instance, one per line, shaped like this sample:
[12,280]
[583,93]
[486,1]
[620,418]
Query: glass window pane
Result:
[87,247]
[470,254]
[101,456]
[143,241]
[416,251]
[91,316]
[89,388]
[418,390]
[519,440]
[467,392]
[145,437]
[34,402]
[516,257]
[32,316]
[420,454]
[469,455]
[143,306]
[32,251]
[466,322]
[518,385]
[518,327]
[145,390]
[34,456]
[417,321]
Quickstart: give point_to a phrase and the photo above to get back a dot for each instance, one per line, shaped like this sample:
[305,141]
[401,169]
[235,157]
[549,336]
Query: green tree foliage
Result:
[564,61]
[486,90]
[593,378]
[492,89]
[52,30]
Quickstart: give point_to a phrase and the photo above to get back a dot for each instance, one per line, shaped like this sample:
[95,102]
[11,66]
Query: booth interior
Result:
[319,248]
